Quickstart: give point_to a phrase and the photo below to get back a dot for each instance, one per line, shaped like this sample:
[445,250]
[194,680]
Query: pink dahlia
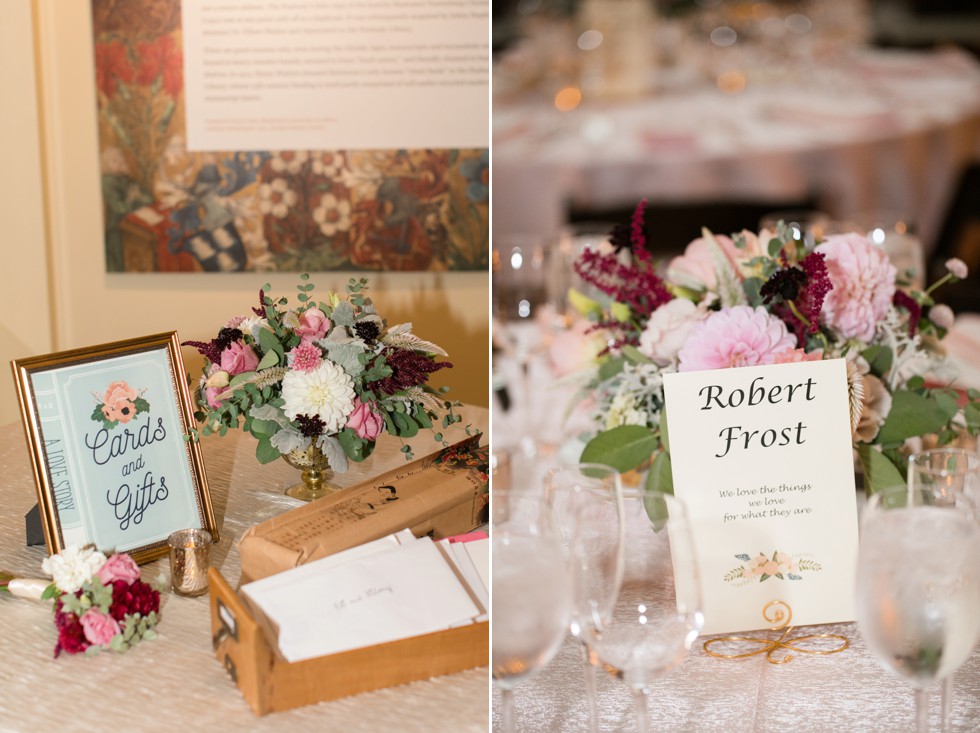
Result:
[864,284]
[735,337]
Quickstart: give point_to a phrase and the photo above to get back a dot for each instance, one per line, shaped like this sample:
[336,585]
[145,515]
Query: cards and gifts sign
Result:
[114,451]
[762,458]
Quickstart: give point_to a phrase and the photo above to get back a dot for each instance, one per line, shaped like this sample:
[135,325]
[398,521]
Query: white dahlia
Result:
[327,392]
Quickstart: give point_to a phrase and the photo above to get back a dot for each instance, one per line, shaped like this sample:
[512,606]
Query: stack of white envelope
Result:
[393,588]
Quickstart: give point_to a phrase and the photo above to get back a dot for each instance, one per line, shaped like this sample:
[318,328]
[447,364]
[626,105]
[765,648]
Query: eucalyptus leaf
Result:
[624,448]
[270,359]
[265,452]
[880,359]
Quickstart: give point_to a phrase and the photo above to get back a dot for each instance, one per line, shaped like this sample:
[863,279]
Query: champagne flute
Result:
[657,613]
[918,585]
[948,470]
[587,500]
[532,592]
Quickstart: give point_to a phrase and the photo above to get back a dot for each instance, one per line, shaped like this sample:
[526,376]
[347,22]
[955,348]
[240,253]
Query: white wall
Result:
[25,316]
[91,306]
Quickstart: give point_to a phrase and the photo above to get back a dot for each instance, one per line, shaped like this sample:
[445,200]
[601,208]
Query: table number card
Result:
[762,458]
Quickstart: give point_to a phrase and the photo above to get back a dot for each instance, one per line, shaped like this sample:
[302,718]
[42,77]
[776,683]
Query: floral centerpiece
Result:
[764,298]
[329,376]
[99,602]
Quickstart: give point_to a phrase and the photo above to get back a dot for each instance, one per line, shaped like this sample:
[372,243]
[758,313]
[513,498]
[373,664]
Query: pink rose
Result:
[119,567]
[99,627]
[365,421]
[697,268]
[313,324]
[864,284]
[668,329]
[735,337]
[238,358]
[117,402]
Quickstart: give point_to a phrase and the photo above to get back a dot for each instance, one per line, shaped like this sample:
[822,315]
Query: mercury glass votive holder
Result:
[190,558]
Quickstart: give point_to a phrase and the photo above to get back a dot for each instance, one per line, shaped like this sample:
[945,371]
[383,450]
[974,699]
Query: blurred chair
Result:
[960,237]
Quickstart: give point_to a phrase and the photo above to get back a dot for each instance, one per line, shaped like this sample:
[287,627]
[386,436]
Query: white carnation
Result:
[327,392]
[668,329]
[73,567]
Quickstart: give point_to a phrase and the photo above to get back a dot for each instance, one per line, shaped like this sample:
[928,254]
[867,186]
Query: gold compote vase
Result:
[316,470]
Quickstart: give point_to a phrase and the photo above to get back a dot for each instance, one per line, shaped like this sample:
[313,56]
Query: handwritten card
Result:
[762,458]
[395,593]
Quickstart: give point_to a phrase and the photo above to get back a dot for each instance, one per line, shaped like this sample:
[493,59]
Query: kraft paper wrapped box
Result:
[440,495]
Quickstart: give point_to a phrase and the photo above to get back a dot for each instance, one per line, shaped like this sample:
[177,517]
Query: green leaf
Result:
[620,311]
[584,305]
[879,471]
[611,367]
[659,477]
[880,359]
[624,448]
[634,356]
[141,405]
[405,425]
[270,342]
[265,452]
[752,285]
[775,246]
[240,378]
[263,428]
[270,359]
[914,414]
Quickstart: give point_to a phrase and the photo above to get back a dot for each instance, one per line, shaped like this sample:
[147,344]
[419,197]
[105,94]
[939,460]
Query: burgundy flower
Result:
[135,598]
[71,635]
[408,369]
[805,286]
[901,299]
[310,425]
[211,350]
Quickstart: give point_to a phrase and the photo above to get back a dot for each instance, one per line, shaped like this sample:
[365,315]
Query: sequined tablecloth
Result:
[175,683]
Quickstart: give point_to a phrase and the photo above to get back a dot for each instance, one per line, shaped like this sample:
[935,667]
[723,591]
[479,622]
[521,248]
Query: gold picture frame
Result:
[106,429]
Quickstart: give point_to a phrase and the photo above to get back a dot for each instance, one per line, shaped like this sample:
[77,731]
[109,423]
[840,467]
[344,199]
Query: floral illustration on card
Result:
[762,567]
[120,403]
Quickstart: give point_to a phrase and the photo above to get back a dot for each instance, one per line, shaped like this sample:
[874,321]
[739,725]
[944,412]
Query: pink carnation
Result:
[735,337]
[238,358]
[864,284]
[119,567]
[99,627]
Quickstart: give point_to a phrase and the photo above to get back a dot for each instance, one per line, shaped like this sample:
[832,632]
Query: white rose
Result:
[668,329]
[73,567]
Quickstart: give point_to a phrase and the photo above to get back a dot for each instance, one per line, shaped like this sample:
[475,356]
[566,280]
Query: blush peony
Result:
[313,325]
[735,337]
[864,284]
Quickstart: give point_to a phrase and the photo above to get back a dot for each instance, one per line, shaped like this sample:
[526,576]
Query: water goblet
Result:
[918,585]
[948,470]
[587,501]
[657,612]
[532,592]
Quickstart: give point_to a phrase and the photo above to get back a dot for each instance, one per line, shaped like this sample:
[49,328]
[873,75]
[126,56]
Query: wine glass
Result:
[532,592]
[948,470]
[918,585]
[587,499]
[657,613]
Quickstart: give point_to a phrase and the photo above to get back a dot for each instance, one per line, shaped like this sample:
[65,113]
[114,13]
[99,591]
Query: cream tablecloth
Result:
[175,683]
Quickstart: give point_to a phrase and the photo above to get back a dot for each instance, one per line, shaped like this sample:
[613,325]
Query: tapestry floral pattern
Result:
[168,209]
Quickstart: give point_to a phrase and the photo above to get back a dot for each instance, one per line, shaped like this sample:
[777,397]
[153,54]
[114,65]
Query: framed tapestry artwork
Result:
[170,208]
[106,429]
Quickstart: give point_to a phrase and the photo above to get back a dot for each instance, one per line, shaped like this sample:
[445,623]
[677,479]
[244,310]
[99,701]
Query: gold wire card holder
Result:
[781,649]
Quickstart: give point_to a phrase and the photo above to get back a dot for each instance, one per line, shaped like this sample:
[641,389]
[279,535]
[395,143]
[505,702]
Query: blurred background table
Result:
[763,104]
[175,682]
